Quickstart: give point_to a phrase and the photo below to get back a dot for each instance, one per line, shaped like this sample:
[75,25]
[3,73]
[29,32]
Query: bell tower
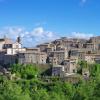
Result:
[18,39]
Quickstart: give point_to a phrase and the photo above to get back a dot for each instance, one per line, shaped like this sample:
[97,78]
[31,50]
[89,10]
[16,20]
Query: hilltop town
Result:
[63,54]
[63,69]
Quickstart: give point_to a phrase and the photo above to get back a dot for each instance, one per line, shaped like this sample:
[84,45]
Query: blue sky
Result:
[52,17]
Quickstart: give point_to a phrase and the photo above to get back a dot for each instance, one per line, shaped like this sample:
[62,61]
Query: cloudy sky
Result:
[38,21]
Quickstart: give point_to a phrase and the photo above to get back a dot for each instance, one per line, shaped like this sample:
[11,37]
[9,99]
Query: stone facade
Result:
[70,66]
[58,56]
[32,57]
[61,53]
[58,70]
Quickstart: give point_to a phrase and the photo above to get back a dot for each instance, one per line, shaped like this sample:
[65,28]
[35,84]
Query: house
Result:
[58,55]
[33,49]
[89,58]
[58,70]
[76,54]
[43,47]
[9,59]
[70,66]
[5,43]
[28,57]
[9,49]
[96,42]
[15,47]
[90,46]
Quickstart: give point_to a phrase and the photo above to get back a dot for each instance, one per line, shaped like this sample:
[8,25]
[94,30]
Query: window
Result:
[73,70]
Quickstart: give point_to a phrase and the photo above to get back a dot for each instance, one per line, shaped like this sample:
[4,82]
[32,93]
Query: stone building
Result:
[77,54]
[90,58]
[58,70]
[9,59]
[89,46]
[70,66]
[59,56]
[43,47]
[63,53]
[32,57]
[96,42]
[5,43]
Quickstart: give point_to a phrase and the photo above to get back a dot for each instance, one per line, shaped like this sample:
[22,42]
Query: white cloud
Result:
[83,1]
[81,35]
[36,36]
[29,38]
[11,32]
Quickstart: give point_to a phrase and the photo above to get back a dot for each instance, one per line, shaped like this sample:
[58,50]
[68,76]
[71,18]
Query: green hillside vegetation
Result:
[28,84]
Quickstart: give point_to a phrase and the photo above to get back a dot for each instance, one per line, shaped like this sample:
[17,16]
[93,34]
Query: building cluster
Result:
[13,52]
[63,53]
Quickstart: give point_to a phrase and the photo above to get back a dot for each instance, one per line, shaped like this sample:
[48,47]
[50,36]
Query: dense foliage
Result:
[28,85]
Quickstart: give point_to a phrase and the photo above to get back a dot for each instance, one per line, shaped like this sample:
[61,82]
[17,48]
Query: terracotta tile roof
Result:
[8,41]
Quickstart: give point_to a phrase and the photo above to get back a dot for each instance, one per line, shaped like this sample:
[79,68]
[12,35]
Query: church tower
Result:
[18,39]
